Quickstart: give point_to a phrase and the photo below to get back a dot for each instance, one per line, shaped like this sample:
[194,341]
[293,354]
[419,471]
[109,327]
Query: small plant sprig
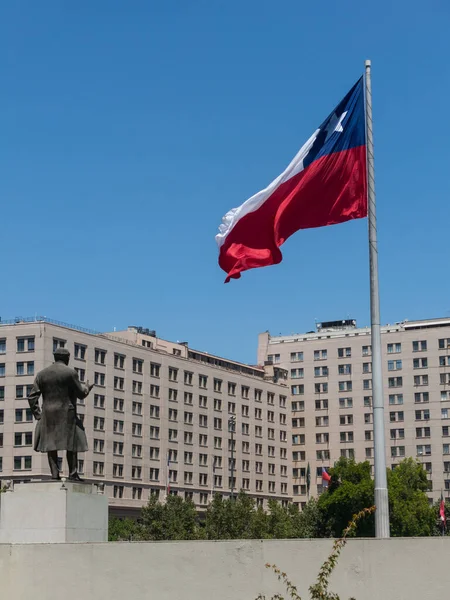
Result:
[319,591]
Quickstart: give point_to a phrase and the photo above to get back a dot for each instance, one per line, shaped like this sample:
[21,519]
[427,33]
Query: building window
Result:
[2,345]
[343,403]
[173,395]
[137,493]
[173,374]
[345,386]
[154,453]
[397,451]
[420,363]
[367,384]
[136,472]
[119,361]
[297,373]
[296,356]
[396,416]
[419,346]
[367,350]
[137,387]
[22,463]
[2,393]
[99,401]
[188,377]
[245,391]
[320,371]
[420,379]
[395,399]
[394,382]
[117,426]
[394,365]
[100,356]
[21,415]
[119,383]
[21,439]
[297,389]
[320,354]
[154,432]
[346,420]
[99,379]
[136,429]
[188,418]
[273,358]
[218,385]
[154,369]
[397,434]
[80,351]
[117,470]
[154,411]
[118,448]
[99,423]
[423,450]
[25,368]
[118,491]
[394,348]
[2,369]
[154,391]
[367,367]
[25,344]
[188,437]
[344,352]
[202,381]
[118,404]
[423,432]
[420,397]
[22,391]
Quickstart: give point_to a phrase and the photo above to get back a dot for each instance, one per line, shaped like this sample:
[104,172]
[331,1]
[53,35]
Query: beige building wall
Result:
[157,416]
[331,403]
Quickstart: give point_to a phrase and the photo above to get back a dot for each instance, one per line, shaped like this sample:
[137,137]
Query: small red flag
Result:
[442,510]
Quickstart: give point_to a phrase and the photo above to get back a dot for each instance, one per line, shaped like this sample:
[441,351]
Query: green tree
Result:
[280,522]
[350,491]
[306,523]
[121,530]
[410,512]
[176,519]
[239,518]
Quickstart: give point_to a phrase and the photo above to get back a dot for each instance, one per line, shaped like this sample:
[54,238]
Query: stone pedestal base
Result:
[53,512]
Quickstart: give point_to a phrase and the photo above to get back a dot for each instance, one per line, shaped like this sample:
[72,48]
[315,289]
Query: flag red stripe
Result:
[331,190]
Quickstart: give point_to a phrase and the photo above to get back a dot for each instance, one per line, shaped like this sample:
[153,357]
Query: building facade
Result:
[330,382]
[161,418]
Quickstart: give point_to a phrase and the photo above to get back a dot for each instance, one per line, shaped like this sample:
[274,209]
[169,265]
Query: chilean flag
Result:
[326,477]
[325,184]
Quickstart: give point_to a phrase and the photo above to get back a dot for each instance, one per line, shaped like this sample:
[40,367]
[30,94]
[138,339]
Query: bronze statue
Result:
[58,426]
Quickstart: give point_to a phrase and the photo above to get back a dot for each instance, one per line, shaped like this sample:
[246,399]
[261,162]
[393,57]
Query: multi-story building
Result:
[161,416]
[331,397]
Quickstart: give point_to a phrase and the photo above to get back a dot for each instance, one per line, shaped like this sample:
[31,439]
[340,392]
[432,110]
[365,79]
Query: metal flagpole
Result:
[381,492]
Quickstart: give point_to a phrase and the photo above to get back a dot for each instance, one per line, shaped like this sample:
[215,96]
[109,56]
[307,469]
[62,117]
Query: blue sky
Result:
[129,128]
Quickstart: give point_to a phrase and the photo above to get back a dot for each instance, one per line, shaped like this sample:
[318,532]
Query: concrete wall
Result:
[396,569]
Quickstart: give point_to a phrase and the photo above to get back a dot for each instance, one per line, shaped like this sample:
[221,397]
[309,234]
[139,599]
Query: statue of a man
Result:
[58,426]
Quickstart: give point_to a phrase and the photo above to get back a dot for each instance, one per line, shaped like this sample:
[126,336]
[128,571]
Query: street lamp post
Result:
[231,429]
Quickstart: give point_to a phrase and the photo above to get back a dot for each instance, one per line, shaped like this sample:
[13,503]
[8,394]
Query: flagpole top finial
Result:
[368,63]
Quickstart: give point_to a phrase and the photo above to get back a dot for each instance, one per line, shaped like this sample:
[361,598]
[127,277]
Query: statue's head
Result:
[62,355]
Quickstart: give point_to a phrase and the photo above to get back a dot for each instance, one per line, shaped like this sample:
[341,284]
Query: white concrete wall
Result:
[396,569]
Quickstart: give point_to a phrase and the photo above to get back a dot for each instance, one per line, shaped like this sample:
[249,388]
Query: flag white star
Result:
[335,124]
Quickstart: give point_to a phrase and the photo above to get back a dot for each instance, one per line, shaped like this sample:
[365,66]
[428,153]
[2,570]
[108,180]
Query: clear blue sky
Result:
[129,128]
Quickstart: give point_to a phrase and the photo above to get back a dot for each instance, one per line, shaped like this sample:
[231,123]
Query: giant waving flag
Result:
[325,184]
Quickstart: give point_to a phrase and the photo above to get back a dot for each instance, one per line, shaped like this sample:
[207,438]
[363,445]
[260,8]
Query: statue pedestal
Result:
[53,512]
